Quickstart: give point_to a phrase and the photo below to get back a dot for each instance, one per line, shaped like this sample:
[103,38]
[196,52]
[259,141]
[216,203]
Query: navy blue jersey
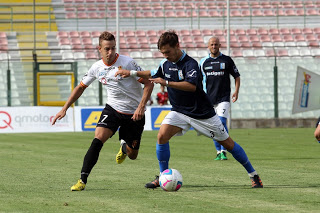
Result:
[216,77]
[194,104]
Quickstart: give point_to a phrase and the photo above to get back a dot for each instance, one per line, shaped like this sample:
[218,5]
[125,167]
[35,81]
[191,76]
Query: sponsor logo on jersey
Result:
[173,68]
[90,118]
[192,73]
[180,75]
[157,116]
[235,69]
[215,73]
[208,68]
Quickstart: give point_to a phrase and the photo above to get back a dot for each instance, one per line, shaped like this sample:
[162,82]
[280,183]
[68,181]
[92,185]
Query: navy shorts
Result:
[129,130]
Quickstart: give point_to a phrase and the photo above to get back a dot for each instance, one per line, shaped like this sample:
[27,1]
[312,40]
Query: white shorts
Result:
[222,109]
[211,127]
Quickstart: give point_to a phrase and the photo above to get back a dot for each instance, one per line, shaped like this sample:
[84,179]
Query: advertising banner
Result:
[307,91]
[34,119]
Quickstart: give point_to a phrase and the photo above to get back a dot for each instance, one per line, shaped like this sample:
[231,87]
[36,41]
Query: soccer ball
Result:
[170,180]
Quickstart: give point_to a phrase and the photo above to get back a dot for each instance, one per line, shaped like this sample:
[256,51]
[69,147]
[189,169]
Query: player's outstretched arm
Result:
[183,85]
[75,94]
[126,73]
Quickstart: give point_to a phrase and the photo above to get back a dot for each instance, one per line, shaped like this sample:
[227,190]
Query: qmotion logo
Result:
[5,120]
[37,120]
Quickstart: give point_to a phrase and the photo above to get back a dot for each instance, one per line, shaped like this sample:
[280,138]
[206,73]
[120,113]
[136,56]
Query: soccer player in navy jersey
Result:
[216,69]
[191,106]
[317,131]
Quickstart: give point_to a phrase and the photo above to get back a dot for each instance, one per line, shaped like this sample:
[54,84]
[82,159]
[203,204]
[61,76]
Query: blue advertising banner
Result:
[90,118]
[157,116]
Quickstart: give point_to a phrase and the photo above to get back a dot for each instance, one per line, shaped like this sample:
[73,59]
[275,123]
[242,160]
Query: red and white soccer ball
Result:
[170,180]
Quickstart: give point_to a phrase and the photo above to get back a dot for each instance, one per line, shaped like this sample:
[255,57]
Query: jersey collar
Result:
[180,59]
[215,57]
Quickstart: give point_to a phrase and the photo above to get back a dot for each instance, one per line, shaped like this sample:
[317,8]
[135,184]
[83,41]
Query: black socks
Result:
[90,159]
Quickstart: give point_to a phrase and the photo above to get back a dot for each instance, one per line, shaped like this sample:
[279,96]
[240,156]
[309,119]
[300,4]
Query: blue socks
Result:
[218,146]
[163,154]
[239,154]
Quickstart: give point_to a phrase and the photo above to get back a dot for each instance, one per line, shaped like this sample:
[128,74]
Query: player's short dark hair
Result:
[170,37]
[106,36]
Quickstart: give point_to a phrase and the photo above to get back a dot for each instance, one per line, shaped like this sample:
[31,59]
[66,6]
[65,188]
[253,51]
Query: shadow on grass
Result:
[249,187]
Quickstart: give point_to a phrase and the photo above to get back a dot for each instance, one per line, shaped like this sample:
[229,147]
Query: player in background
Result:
[317,131]
[191,106]
[125,106]
[162,97]
[216,69]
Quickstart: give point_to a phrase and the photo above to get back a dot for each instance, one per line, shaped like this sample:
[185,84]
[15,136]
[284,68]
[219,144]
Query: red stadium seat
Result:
[64,41]
[236,53]
[311,37]
[265,38]
[285,31]
[251,31]
[299,38]
[254,38]
[274,31]
[239,32]
[276,38]
[262,31]
[217,32]
[91,55]
[62,34]
[287,38]
[196,32]
[76,41]
[85,34]
[270,53]
[296,31]
[87,41]
[282,52]
[152,33]
[70,15]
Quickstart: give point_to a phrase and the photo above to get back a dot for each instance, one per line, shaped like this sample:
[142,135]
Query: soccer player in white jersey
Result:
[124,109]
[191,106]
[216,69]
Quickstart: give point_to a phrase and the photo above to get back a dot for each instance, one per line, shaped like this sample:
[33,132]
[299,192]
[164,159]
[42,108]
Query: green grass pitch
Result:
[37,170]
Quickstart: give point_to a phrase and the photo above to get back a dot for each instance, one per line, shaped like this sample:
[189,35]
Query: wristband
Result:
[133,73]
[167,83]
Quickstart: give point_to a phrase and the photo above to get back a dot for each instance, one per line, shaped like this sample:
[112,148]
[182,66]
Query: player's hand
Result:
[158,81]
[138,114]
[122,73]
[59,116]
[234,97]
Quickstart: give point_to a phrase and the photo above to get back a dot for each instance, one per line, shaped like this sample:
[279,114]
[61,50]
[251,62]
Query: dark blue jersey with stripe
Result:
[194,104]
[216,77]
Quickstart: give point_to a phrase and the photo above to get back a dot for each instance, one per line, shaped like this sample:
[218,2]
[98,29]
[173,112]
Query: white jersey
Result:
[124,94]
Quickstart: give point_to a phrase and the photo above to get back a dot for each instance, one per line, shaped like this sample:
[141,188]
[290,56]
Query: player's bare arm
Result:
[126,73]
[184,85]
[76,93]
[148,87]
[236,92]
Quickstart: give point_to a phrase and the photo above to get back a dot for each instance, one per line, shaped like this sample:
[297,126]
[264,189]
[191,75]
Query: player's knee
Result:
[132,154]
[162,139]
